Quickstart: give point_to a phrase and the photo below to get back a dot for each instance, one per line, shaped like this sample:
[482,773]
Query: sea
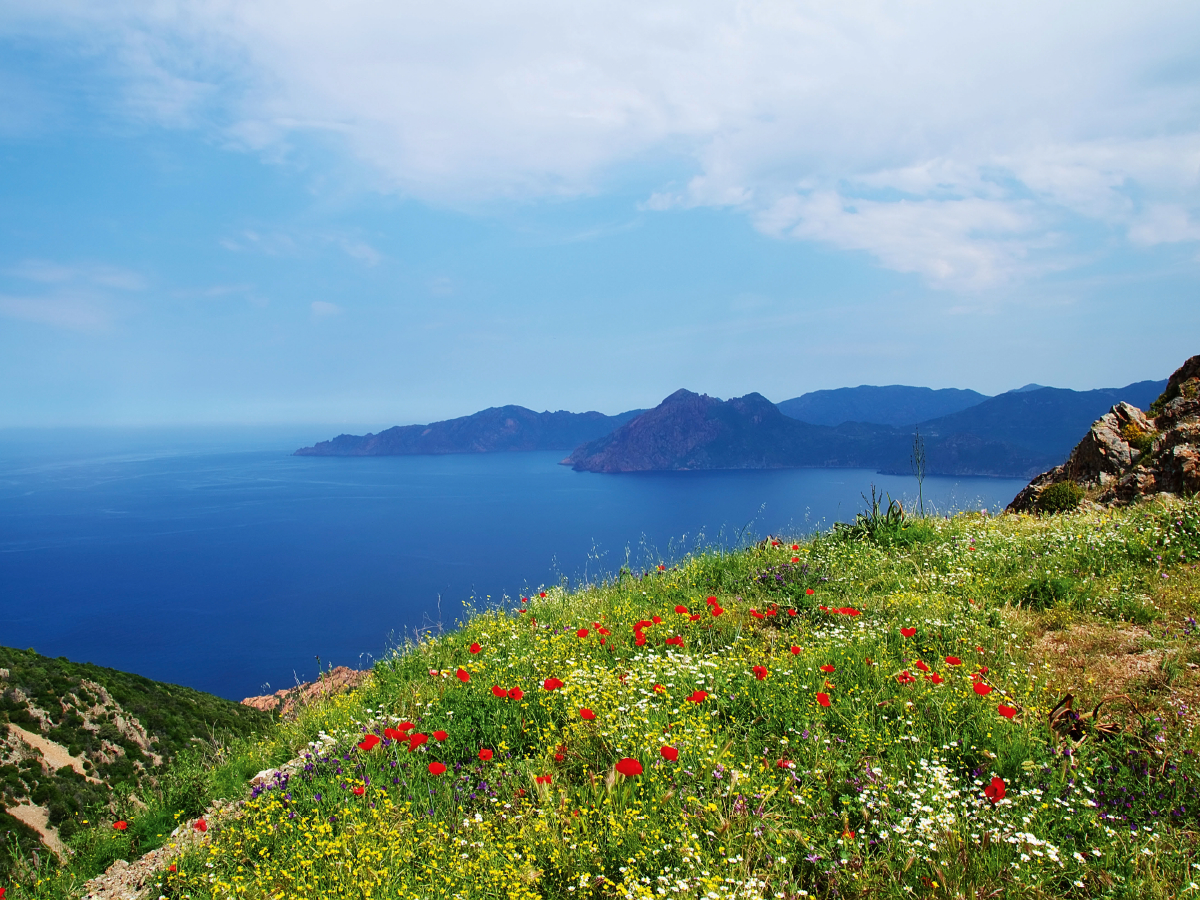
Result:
[213,558]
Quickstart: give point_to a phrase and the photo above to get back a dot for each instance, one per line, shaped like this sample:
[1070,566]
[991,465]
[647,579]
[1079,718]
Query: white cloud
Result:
[954,140]
[70,311]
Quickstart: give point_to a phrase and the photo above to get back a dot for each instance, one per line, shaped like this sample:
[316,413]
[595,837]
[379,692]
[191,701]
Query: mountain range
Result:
[1015,434]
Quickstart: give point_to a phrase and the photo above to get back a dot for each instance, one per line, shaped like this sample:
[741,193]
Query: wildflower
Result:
[545,779]
[908,632]
[498,691]
[809,591]
[644,623]
[670,754]
[756,614]
[849,611]
[676,641]
[639,639]
[823,699]
[827,668]
[406,726]
[953,661]
[485,755]
[369,742]
[440,735]
[463,675]
[586,714]
[920,665]
[795,650]
[982,689]
[698,696]
[551,684]
[515,693]
[694,617]
[120,825]
[416,741]
[437,768]
[581,633]
[656,619]
[661,569]
[795,559]
[542,594]
[394,734]
[784,764]
[791,612]
[359,791]
[716,610]
[935,678]
[474,648]
[995,791]
[906,677]
[1007,711]
[760,672]
[629,767]
[200,825]
[711,601]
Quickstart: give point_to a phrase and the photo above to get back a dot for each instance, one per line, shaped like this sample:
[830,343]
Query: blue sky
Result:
[383,212]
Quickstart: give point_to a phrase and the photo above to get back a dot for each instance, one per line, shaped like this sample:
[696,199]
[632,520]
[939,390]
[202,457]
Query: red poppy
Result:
[639,639]
[983,670]
[393,734]
[676,641]
[638,626]
[1007,711]
[760,672]
[784,764]
[849,611]
[629,767]
[756,614]
[827,668]
[200,825]
[935,678]
[953,661]
[694,617]
[440,735]
[120,825]
[698,696]
[474,648]
[581,633]
[982,689]
[586,714]
[659,689]
[906,677]
[437,768]
[908,632]
[545,779]
[406,726]
[359,791]
[670,754]
[560,753]
[795,651]
[809,591]
[515,693]
[662,568]
[995,790]
[416,741]
[463,675]
[795,546]
[920,664]
[552,684]
[485,754]
[170,868]
[716,611]
[823,699]
[657,620]
[498,691]
[602,640]
[711,601]
[791,612]
[823,608]
[795,559]
[368,742]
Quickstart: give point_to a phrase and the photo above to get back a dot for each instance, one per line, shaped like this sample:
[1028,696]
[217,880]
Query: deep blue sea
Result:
[215,559]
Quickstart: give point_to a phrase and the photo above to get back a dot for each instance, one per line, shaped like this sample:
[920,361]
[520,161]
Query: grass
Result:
[829,717]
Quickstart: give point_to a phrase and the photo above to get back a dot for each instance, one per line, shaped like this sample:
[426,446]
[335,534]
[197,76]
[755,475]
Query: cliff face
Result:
[499,428]
[1128,454]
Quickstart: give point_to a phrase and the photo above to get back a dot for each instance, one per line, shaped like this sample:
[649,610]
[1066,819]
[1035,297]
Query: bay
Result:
[213,558]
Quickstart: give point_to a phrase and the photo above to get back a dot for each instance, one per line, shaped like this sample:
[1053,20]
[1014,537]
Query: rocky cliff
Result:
[1129,454]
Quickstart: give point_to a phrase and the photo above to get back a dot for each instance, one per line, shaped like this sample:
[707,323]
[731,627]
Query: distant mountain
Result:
[893,404]
[499,428]
[1014,435]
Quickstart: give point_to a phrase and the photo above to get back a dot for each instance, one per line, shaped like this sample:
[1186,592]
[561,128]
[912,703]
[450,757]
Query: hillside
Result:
[969,707]
[76,738]
[893,404]
[496,429]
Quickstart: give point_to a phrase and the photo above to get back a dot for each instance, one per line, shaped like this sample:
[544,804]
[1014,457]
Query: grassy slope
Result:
[880,793]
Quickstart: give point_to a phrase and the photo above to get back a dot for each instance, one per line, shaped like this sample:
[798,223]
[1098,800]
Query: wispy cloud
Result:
[960,142]
[323,309]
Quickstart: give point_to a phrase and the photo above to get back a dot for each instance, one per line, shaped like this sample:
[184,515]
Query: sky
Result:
[380,213]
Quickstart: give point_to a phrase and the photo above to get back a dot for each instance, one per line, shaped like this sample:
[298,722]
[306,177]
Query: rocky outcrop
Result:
[286,701]
[1128,454]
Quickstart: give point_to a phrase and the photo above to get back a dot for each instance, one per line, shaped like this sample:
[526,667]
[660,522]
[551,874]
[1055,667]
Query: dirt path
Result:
[56,755]
[38,818]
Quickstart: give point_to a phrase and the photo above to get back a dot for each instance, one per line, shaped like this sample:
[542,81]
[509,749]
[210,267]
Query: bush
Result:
[1137,438]
[1060,497]
[1045,592]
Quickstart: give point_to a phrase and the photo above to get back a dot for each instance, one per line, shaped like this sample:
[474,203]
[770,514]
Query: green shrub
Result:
[1060,497]
[1137,438]
[1046,591]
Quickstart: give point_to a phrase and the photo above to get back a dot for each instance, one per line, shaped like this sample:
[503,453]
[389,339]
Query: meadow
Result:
[975,706]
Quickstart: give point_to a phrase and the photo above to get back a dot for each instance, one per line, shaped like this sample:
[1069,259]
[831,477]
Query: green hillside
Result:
[898,709]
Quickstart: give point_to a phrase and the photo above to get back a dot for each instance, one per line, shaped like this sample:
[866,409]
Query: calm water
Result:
[216,560]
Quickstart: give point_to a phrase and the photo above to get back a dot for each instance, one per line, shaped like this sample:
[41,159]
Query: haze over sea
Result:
[216,560]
